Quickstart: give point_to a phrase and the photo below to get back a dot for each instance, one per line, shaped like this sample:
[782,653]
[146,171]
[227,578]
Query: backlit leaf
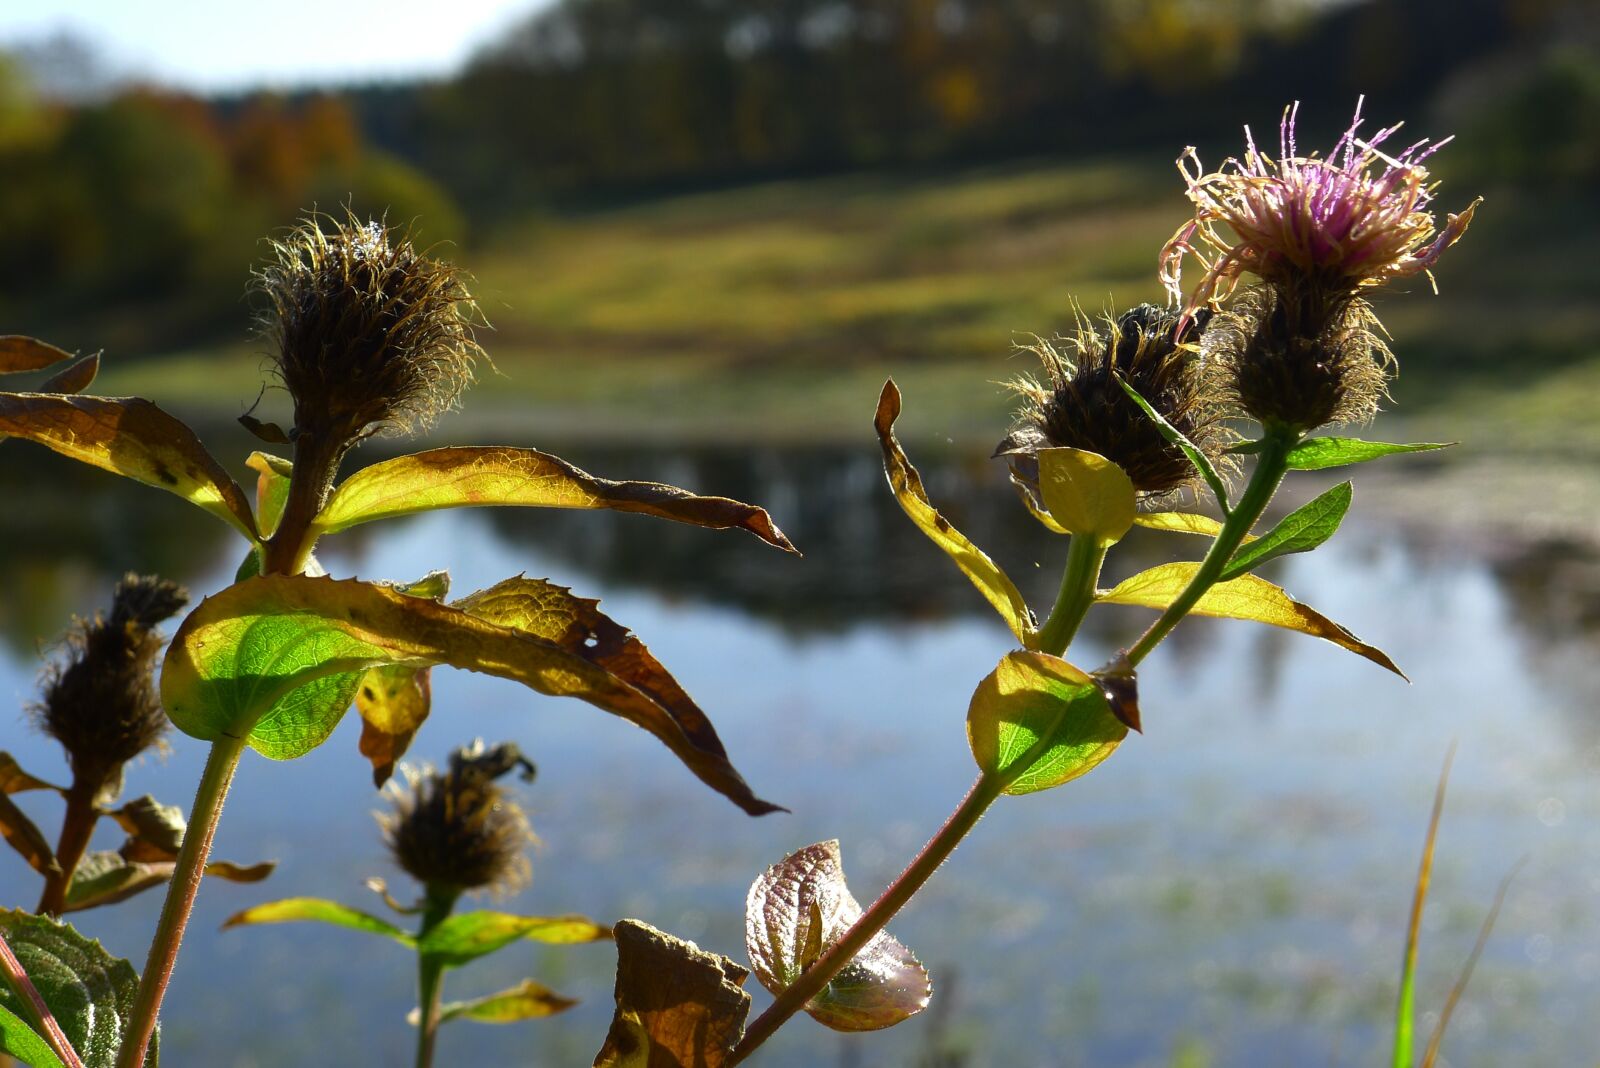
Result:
[527,1000]
[466,936]
[984,573]
[1179,523]
[88,991]
[13,780]
[23,835]
[677,1005]
[1315,454]
[19,353]
[1086,494]
[800,907]
[1031,697]
[1300,531]
[317,910]
[20,1041]
[490,476]
[272,489]
[74,378]
[1247,597]
[246,649]
[134,438]
[393,702]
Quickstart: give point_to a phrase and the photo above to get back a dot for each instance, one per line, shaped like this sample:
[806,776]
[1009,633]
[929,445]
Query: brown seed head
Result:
[457,830]
[100,701]
[1079,405]
[1289,356]
[369,334]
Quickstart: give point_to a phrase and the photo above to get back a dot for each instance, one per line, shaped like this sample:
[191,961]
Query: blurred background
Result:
[704,233]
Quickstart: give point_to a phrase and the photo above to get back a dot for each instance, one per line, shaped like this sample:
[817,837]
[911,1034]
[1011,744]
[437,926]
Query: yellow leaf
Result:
[132,437]
[1027,699]
[1086,494]
[1179,523]
[1246,597]
[393,702]
[985,574]
[499,476]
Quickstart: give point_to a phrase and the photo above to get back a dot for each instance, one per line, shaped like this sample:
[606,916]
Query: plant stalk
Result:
[430,975]
[1271,465]
[1085,555]
[214,782]
[829,964]
[77,828]
[316,465]
[49,1029]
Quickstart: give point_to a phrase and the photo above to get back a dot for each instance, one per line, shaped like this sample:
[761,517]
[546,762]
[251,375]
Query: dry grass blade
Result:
[1431,1055]
[1408,974]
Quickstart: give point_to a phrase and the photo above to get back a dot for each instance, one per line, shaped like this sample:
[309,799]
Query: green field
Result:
[776,311]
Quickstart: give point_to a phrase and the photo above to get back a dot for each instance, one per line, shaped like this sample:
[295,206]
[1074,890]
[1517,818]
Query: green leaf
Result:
[491,476]
[800,907]
[466,936]
[527,1000]
[317,910]
[20,1041]
[1086,494]
[1178,438]
[272,489]
[88,991]
[74,378]
[1315,454]
[19,353]
[303,718]
[131,437]
[996,587]
[246,649]
[23,835]
[1300,531]
[1247,597]
[678,1006]
[1027,699]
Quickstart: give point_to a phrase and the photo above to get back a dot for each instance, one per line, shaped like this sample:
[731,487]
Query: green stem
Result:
[430,973]
[77,828]
[1271,465]
[824,968]
[186,876]
[1085,555]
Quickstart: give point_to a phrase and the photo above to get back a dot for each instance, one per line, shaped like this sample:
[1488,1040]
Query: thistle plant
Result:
[455,832]
[1130,415]
[369,334]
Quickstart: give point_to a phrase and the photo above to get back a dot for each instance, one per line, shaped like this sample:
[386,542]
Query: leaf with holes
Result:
[1247,597]
[800,907]
[466,936]
[498,476]
[243,653]
[88,991]
[133,438]
[1037,722]
[996,587]
[1300,531]
[678,1006]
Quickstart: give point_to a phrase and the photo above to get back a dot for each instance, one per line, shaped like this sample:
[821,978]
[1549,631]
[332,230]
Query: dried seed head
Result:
[100,701]
[1288,356]
[1081,406]
[456,830]
[369,334]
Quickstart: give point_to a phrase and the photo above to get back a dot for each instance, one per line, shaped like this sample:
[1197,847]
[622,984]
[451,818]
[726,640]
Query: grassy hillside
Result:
[776,311]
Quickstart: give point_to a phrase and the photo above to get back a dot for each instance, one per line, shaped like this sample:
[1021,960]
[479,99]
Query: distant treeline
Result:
[157,200]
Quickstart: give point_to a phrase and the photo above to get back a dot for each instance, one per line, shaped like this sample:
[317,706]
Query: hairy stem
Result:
[77,828]
[430,973]
[1084,557]
[316,465]
[49,1029]
[214,782]
[1271,466]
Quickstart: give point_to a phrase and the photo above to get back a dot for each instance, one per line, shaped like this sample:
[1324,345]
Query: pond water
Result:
[1230,888]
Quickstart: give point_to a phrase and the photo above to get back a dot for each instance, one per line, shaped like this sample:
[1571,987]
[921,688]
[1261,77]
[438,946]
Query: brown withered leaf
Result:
[105,877]
[13,780]
[19,353]
[23,835]
[501,476]
[577,625]
[678,1006]
[393,701]
[1119,684]
[75,377]
[155,831]
[131,437]
[800,907]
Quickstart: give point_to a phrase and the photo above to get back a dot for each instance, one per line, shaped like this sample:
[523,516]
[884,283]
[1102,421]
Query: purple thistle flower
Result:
[1354,219]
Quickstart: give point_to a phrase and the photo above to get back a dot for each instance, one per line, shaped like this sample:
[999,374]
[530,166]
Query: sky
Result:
[226,44]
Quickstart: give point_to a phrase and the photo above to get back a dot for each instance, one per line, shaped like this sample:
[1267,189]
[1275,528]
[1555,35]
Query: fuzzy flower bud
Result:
[1081,406]
[456,830]
[369,334]
[100,700]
